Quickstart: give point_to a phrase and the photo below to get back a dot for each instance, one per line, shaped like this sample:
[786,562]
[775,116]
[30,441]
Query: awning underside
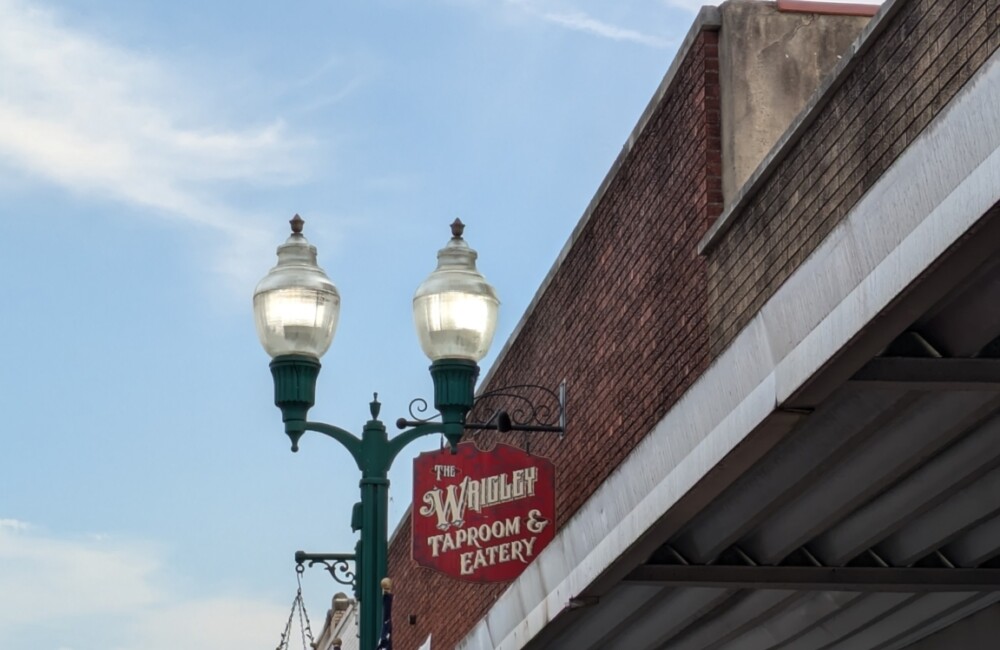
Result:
[873,523]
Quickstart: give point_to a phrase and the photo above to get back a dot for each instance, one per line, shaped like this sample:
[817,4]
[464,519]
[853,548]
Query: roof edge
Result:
[709,18]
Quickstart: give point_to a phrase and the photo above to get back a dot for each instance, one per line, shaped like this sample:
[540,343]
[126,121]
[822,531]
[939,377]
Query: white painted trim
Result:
[936,191]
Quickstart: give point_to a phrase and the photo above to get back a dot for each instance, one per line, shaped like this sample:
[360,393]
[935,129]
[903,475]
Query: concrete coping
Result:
[812,111]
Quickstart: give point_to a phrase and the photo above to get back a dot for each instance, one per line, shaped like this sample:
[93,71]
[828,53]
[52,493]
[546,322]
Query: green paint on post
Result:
[294,391]
[454,393]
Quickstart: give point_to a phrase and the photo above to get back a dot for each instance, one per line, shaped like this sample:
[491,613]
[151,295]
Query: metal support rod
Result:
[301,557]
[906,580]
[336,564]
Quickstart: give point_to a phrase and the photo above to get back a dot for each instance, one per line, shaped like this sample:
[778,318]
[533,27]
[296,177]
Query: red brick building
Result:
[794,256]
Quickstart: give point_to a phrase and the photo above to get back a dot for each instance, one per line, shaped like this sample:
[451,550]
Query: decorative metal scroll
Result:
[525,407]
[336,564]
[418,414]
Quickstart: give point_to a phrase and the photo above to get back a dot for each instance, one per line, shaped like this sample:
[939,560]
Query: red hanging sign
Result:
[481,516]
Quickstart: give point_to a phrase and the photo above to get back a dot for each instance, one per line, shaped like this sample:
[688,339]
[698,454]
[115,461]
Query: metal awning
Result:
[832,480]
[873,523]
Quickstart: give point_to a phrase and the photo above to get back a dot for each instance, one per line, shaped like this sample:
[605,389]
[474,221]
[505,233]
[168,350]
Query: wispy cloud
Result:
[690,5]
[580,21]
[100,120]
[84,588]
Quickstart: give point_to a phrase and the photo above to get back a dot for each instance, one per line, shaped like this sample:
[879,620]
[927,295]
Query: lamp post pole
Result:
[296,308]
[374,453]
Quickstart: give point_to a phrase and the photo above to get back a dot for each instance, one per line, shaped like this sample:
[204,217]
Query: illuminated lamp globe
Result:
[455,308]
[296,306]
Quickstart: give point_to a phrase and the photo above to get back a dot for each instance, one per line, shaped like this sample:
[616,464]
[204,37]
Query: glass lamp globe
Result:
[455,308]
[295,306]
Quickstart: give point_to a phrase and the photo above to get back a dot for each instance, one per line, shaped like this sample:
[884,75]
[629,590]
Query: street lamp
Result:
[296,309]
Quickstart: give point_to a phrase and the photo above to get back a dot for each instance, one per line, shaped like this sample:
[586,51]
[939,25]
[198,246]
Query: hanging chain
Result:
[283,644]
[305,626]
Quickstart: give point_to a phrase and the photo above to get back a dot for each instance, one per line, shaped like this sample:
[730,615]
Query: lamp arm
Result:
[350,441]
[406,437]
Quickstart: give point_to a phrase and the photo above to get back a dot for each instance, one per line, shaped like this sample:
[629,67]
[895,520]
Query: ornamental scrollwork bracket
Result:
[418,414]
[526,408]
[338,565]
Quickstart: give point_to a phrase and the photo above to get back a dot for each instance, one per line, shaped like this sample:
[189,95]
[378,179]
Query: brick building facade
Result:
[633,260]
[661,275]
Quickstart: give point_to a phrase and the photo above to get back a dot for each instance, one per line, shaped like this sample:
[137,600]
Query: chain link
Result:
[305,627]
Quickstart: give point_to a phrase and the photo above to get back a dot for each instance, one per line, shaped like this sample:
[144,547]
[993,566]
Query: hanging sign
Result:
[481,516]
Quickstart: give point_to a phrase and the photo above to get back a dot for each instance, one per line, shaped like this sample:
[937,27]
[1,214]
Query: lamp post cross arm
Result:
[349,441]
[384,453]
[401,440]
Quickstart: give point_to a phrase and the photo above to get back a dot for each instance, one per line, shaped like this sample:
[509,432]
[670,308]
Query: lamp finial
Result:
[296,222]
[457,228]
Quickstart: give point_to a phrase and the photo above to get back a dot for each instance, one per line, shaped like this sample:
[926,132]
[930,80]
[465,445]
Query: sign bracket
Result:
[526,408]
[338,565]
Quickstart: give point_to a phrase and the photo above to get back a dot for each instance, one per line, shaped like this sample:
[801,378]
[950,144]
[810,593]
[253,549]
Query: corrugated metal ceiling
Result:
[897,469]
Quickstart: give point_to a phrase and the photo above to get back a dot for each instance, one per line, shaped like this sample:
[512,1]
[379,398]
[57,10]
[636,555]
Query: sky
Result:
[151,155]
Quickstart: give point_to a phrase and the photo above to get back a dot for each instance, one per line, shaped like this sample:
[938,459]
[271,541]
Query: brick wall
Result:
[633,315]
[927,50]
[623,321]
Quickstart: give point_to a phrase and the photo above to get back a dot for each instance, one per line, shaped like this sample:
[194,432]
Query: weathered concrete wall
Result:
[770,64]
[915,65]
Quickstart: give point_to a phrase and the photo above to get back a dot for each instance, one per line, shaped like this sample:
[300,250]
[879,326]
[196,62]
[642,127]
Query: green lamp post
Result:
[296,309]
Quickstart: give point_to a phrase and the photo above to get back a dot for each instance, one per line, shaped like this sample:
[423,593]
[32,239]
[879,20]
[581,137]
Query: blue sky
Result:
[151,154]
